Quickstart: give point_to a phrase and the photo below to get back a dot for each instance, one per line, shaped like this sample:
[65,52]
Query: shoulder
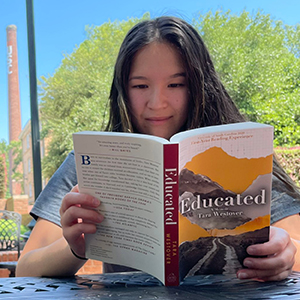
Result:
[65,174]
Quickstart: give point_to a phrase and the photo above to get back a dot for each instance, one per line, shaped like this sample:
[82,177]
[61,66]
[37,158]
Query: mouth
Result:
[158,120]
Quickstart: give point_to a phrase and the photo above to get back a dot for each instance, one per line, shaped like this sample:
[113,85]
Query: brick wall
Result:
[7,256]
[2,204]
[91,267]
[4,273]
[21,204]
[18,204]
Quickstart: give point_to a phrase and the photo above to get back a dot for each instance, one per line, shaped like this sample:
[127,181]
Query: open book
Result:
[178,208]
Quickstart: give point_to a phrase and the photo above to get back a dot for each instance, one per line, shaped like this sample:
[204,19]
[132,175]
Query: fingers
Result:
[76,206]
[279,239]
[74,231]
[79,217]
[78,199]
[275,267]
[75,189]
[278,260]
[74,213]
[261,275]
[74,234]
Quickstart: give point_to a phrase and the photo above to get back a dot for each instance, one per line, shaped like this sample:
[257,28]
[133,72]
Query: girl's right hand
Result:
[78,217]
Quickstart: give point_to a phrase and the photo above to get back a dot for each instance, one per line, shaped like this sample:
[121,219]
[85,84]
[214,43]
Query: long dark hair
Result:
[209,102]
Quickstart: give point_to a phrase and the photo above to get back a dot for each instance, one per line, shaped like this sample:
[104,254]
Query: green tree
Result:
[2,177]
[3,147]
[75,97]
[4,162]
[258,61]
[16,150]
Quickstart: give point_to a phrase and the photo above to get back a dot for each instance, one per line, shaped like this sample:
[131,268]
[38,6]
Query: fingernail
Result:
[242,275]
[248,263]
[96,202]
[251,251]
[100,218]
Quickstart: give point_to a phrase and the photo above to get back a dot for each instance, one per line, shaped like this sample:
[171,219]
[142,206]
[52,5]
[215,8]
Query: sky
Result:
[60,27]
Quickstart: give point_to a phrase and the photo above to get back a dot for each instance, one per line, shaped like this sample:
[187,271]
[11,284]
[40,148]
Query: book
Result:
[176,208]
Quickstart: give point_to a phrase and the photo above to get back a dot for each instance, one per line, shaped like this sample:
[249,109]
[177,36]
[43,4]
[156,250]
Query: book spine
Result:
[171,198]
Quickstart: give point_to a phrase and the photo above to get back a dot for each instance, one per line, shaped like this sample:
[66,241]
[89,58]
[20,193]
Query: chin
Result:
[164,135]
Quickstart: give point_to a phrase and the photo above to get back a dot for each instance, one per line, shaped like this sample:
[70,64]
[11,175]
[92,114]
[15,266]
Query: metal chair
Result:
[10,231]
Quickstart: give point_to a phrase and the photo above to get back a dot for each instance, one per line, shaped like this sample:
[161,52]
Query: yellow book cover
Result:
[224,196]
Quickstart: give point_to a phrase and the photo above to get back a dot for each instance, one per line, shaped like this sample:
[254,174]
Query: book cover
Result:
[224,197]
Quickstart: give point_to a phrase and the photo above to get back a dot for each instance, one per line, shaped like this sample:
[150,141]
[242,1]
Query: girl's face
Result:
[157,89]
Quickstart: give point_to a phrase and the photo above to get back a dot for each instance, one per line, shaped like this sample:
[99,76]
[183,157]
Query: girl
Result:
[164,82]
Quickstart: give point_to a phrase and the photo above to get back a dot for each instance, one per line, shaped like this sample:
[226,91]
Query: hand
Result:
[78,217]
[280,252]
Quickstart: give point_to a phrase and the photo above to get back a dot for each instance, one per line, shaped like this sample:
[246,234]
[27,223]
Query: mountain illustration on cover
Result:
[224,207]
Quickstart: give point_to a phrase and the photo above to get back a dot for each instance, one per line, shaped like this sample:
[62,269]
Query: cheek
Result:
[136,111]
[182,106]
[136,107]
[132,103]
[136,101]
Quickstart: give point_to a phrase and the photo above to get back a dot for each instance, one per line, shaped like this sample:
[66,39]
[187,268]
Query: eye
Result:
[140,86]
[174,85]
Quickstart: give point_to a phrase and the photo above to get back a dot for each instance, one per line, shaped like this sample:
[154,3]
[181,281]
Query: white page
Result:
[126,175]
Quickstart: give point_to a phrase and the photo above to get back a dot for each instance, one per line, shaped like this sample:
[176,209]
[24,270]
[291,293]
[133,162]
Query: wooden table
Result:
[137,285]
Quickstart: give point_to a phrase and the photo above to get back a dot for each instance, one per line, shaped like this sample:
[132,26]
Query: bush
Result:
[24,229]
[2,177]
[9,238]
[4,231]
[289,159]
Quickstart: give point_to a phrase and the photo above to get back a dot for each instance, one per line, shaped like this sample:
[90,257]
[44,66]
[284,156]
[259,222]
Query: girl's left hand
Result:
[278,264]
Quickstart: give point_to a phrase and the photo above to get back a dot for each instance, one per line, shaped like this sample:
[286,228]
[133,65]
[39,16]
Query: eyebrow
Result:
[183,74]
[176,75]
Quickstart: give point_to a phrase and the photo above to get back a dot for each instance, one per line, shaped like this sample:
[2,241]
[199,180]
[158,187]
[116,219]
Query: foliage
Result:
[2,177]
[3,224]
[289,159]
[75,97]
[4,149]
[258,61]
[16,148]
[24,229]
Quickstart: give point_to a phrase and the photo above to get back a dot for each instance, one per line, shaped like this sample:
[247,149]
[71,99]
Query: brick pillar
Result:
[15,126]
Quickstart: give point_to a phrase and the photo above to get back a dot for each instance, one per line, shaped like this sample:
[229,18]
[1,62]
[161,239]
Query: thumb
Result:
[75,189]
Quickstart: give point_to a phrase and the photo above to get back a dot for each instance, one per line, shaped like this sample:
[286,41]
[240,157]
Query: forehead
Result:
[157,55]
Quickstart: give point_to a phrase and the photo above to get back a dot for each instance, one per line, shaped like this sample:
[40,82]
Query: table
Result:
[138,285]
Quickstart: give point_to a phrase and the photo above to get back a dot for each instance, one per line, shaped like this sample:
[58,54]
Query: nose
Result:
[157,99]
